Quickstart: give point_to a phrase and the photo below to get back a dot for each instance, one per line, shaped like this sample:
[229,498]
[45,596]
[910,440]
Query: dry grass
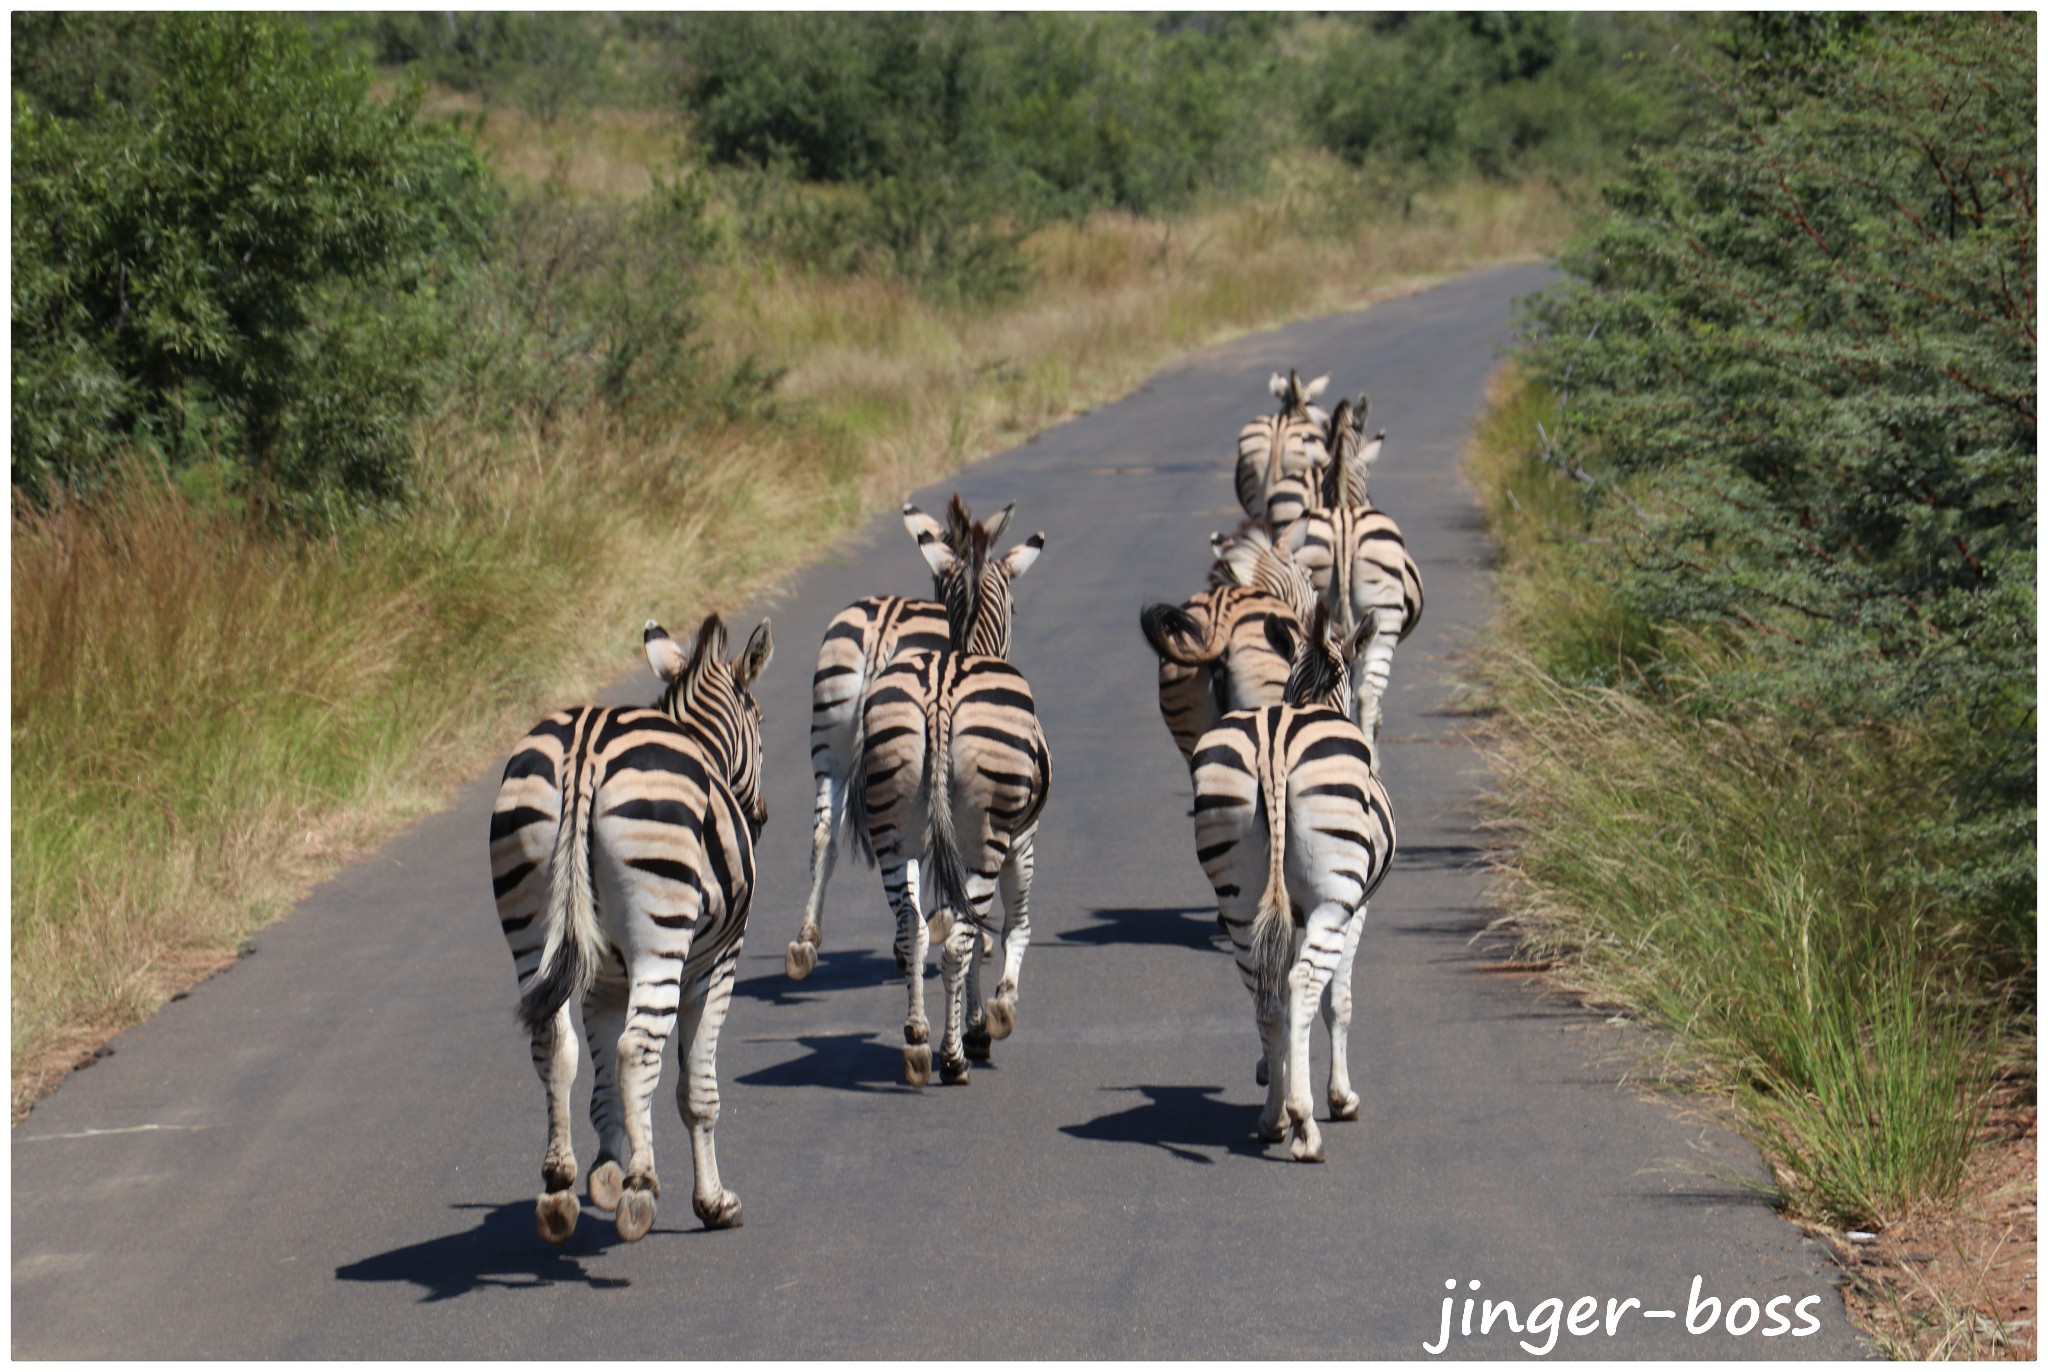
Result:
[206,722]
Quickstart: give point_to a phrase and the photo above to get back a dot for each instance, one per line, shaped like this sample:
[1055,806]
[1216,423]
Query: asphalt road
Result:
[332,1150]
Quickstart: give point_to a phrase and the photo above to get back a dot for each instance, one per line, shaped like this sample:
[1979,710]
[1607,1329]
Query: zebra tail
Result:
[1175,636]
[949,872]
[570,954]
[1273,926]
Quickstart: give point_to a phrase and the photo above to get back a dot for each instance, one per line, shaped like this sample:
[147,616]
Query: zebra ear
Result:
[1293,538]
[1362,408]
[1018,560]
[753,659]
[999,521]
[1278,385]
[1316,387]
[931,539]
[1280,637]
[664,654]
[1370,453]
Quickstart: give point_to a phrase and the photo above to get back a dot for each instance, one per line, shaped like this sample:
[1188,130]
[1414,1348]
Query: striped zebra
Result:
[1274,447]
[1249,557]
[622,859]
[1356,558]
[954,775]
[1215,657]
[858,644]
[1295,833]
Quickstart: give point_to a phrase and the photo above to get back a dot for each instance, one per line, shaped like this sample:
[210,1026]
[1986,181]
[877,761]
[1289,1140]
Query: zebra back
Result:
[1215,657]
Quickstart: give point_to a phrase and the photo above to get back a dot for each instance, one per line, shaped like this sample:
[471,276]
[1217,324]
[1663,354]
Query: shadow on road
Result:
[502,1251]
[1174,926]
[1179,1119]
[836,971]
[844,1062]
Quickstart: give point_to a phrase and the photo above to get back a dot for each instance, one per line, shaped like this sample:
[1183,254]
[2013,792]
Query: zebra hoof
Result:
[1271,1131]
[1307,1145]
[724,1213]
[940,926]
[1264,1078]
[634,1214]
[1344,1107]
[976,1042]
[953,1072]
[800,960]
[1002,1016]
[554,1215]
[606,1182]
[917,1064]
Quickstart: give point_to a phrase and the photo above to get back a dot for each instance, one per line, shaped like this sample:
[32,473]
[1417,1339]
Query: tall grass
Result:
[1732,875]
[208,719]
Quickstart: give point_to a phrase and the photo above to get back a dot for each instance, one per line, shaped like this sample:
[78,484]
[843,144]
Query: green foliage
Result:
[963,131]
[229,258]
[545,64]
[1805,342]
[1500,93]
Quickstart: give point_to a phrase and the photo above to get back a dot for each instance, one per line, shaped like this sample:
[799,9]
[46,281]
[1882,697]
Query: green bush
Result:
[228,259]
[1501,93]
[1801,361]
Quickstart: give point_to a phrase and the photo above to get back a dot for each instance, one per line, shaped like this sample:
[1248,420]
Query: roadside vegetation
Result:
[376,375]
[1764,478]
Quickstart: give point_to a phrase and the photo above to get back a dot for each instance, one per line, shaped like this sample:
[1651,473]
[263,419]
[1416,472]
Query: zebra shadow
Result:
[836,971]
[502,1251]
[1179,1119]
[1172,926]
[842,1062]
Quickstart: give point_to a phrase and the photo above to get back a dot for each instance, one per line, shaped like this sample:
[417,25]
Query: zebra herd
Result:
[622,840]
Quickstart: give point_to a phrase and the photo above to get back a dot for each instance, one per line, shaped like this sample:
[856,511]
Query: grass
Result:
[1731,876]
[207,720]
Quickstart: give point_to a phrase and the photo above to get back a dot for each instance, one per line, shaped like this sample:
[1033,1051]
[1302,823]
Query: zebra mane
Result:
[1351,456]
[1318,675]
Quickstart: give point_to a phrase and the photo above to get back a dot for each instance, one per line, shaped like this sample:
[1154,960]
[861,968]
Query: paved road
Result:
[332,1151]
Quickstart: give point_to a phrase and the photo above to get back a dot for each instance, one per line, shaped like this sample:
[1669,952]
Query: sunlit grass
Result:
[1736,880]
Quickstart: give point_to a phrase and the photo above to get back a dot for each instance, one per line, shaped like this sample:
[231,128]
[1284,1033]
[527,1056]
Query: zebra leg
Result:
[554,1058]
[1370,670]
[1337,1019]
[604,1019]
[650,1018]
[1273,1041]
[705,1003]
[1015,877]
[899,879]
[974,1038]
[1322,947]
[802,955]
[963,944]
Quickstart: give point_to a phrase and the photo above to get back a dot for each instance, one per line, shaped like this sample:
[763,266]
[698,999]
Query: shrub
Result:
[1800,354]
[175,242]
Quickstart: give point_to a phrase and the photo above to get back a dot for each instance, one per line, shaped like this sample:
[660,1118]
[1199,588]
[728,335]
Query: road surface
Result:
[333,1149]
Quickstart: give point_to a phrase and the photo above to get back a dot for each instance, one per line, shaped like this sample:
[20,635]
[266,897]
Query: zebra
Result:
[1295,832]
[1276,446]
[955,772]
[1250,558]
[622,861]
[857,645]
[1356,558]
[1215,657]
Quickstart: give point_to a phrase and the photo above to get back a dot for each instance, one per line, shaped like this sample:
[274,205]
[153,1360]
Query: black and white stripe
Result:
[622,860]
[1355,556]
[858,644]
[1215,656]
[1288,444]
[1295,833]
[955,772]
